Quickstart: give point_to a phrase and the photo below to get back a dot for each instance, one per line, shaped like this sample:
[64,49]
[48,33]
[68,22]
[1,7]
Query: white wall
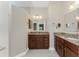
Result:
[4,22]
[55,13]
[70,18]
[18,35]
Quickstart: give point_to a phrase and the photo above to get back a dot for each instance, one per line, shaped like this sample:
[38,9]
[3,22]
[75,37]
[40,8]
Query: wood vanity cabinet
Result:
[70,49]
[38,41]
[65,48]
[69,53]
[31,41]
[59,45]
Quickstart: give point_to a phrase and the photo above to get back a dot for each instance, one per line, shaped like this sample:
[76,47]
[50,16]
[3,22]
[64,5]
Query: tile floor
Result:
[41,53]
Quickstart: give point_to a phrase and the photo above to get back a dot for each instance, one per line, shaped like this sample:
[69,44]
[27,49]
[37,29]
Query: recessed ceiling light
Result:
[71,7]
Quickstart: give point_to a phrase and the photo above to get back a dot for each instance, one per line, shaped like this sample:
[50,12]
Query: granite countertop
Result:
[73,38]
[38,33]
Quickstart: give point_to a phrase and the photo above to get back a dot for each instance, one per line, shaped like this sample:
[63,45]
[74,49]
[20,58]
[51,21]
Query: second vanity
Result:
[67,45]
[38,40]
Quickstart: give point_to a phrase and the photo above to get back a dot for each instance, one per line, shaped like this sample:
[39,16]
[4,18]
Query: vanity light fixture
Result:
[34,17]
[37,17]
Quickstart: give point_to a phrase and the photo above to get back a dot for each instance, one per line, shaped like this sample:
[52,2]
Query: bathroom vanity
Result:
[67,46]
[38,40]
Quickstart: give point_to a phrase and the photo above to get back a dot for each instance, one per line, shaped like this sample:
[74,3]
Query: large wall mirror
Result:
[39,25]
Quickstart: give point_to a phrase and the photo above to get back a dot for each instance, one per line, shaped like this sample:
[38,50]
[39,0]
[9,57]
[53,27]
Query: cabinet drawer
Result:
[46,45]
[60,40]
[38,41]
[46,41]
[71,46]
[45,36]
[69,52]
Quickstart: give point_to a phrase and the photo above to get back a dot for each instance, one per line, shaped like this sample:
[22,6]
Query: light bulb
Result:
[40,17]
[37,17]
[34,17]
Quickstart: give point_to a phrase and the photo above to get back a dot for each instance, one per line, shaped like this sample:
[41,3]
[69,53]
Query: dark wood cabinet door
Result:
[60,48]
[46,41]
[65,48]
[38,41]
[40,44]
[69,52]
[32,42]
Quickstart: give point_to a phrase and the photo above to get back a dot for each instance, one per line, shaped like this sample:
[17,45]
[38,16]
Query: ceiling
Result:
[62,7]
[40,3]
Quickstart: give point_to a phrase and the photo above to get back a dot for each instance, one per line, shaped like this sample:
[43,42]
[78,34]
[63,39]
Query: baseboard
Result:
[51,49]
[22,54]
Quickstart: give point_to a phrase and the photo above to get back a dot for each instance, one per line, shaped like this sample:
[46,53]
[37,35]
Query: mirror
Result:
[39,25]
[34,26]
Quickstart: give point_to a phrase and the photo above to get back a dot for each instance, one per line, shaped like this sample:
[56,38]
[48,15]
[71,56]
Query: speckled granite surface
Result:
[73,38]
[38,33]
